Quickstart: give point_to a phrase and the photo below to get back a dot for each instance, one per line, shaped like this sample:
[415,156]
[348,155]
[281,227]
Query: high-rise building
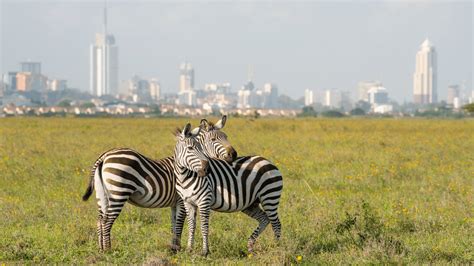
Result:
[186,77]
[32,67]
[332,98]
[155,89]
[9,79]
[425,76]
[104,63]
[270,95]
[453,93]
[57,84]
[308,97]
[364,87]
[378,95]
[26,81]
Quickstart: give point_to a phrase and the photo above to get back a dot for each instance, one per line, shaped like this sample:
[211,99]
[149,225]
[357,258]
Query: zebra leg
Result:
[178,215]
[204,212]
[100,220]
[271,209]
[258,214]
[113,211]
[191,213]
[173,228]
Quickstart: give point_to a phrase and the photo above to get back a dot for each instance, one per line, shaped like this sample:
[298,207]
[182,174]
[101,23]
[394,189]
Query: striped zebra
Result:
[250,184]
[121,175]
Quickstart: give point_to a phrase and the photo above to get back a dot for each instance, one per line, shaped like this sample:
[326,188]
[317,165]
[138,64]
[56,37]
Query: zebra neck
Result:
[183,173]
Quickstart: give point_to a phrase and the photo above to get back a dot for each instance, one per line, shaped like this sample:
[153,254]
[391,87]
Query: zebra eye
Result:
[213,139]
[190,148]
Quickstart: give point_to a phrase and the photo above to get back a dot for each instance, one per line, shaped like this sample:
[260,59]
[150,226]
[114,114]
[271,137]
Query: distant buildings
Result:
[57,84]
[308,97]
[186,77]
[186,93]
[104,63]
[337,99]
[364,87]
[425,76]
[377,95]
[249,97]
[28,81]
[32,67]
[139,90]
[454,96]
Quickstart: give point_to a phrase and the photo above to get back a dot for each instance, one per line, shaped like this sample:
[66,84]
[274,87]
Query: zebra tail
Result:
[97,167]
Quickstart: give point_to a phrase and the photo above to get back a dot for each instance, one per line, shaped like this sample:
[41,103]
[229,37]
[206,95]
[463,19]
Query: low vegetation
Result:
[355,191]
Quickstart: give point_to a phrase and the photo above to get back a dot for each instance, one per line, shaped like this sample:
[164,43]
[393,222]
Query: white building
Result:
[187,98]
[425,76]
[270,96]
[57,84]
[308,97]
[364,87]
[155,89]
[332,98]
[186,77]
[104,63]
[377,95]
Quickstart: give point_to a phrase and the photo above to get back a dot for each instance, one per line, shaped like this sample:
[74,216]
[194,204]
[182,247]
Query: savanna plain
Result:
[355,191]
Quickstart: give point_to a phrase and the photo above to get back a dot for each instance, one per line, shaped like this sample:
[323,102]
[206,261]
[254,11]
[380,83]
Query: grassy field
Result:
[355,191]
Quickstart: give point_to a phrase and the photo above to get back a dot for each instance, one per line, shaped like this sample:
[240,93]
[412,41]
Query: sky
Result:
[293,44]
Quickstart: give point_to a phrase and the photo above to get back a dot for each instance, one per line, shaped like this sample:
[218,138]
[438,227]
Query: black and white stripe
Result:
[250,184]
[121,175]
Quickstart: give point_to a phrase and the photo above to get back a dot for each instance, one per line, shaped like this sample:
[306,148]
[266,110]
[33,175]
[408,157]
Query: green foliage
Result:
[64,103]
[356,191]
[332,114]
[469,108]
[357,111]
[308,111]
[88,105]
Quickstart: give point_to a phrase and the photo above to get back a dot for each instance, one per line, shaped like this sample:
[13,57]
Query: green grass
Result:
[355,191]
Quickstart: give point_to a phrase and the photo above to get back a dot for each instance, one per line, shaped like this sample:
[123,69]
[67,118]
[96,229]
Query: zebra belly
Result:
[138,200]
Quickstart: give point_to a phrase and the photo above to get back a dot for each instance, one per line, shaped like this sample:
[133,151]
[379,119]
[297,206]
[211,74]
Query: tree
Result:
[308,111]
[88,105]
[357,111]
[469,108]
[64,103]
[332,113]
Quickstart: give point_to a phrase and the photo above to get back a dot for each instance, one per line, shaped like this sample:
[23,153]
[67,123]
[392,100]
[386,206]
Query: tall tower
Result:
[186,77]
[104,63]
[425,77]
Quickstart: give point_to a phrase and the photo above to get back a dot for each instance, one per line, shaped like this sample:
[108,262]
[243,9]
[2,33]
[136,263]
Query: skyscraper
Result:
[32,67]
[104,63]
[308,97]
[425,77]
[364,87]
[186,77]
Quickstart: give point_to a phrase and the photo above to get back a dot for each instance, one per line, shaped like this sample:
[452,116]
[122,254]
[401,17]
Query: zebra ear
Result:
[186,130]
[196,131]
[221,123]
[204,123]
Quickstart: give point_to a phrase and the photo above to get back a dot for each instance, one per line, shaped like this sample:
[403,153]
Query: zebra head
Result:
[188,152]
[215,142]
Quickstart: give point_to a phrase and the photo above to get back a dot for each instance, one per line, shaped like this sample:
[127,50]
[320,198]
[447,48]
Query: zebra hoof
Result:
[204,253]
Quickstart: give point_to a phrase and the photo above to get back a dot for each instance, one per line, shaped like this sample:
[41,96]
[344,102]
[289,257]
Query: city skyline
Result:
[274,61]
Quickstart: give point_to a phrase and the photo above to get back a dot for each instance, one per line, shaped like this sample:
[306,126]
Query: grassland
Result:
[355,191]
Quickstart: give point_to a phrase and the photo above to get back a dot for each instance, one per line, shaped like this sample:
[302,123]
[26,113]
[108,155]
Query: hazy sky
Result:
[296,45]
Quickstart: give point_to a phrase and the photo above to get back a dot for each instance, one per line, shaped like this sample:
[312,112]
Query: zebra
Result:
[122,174]
[251,184]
